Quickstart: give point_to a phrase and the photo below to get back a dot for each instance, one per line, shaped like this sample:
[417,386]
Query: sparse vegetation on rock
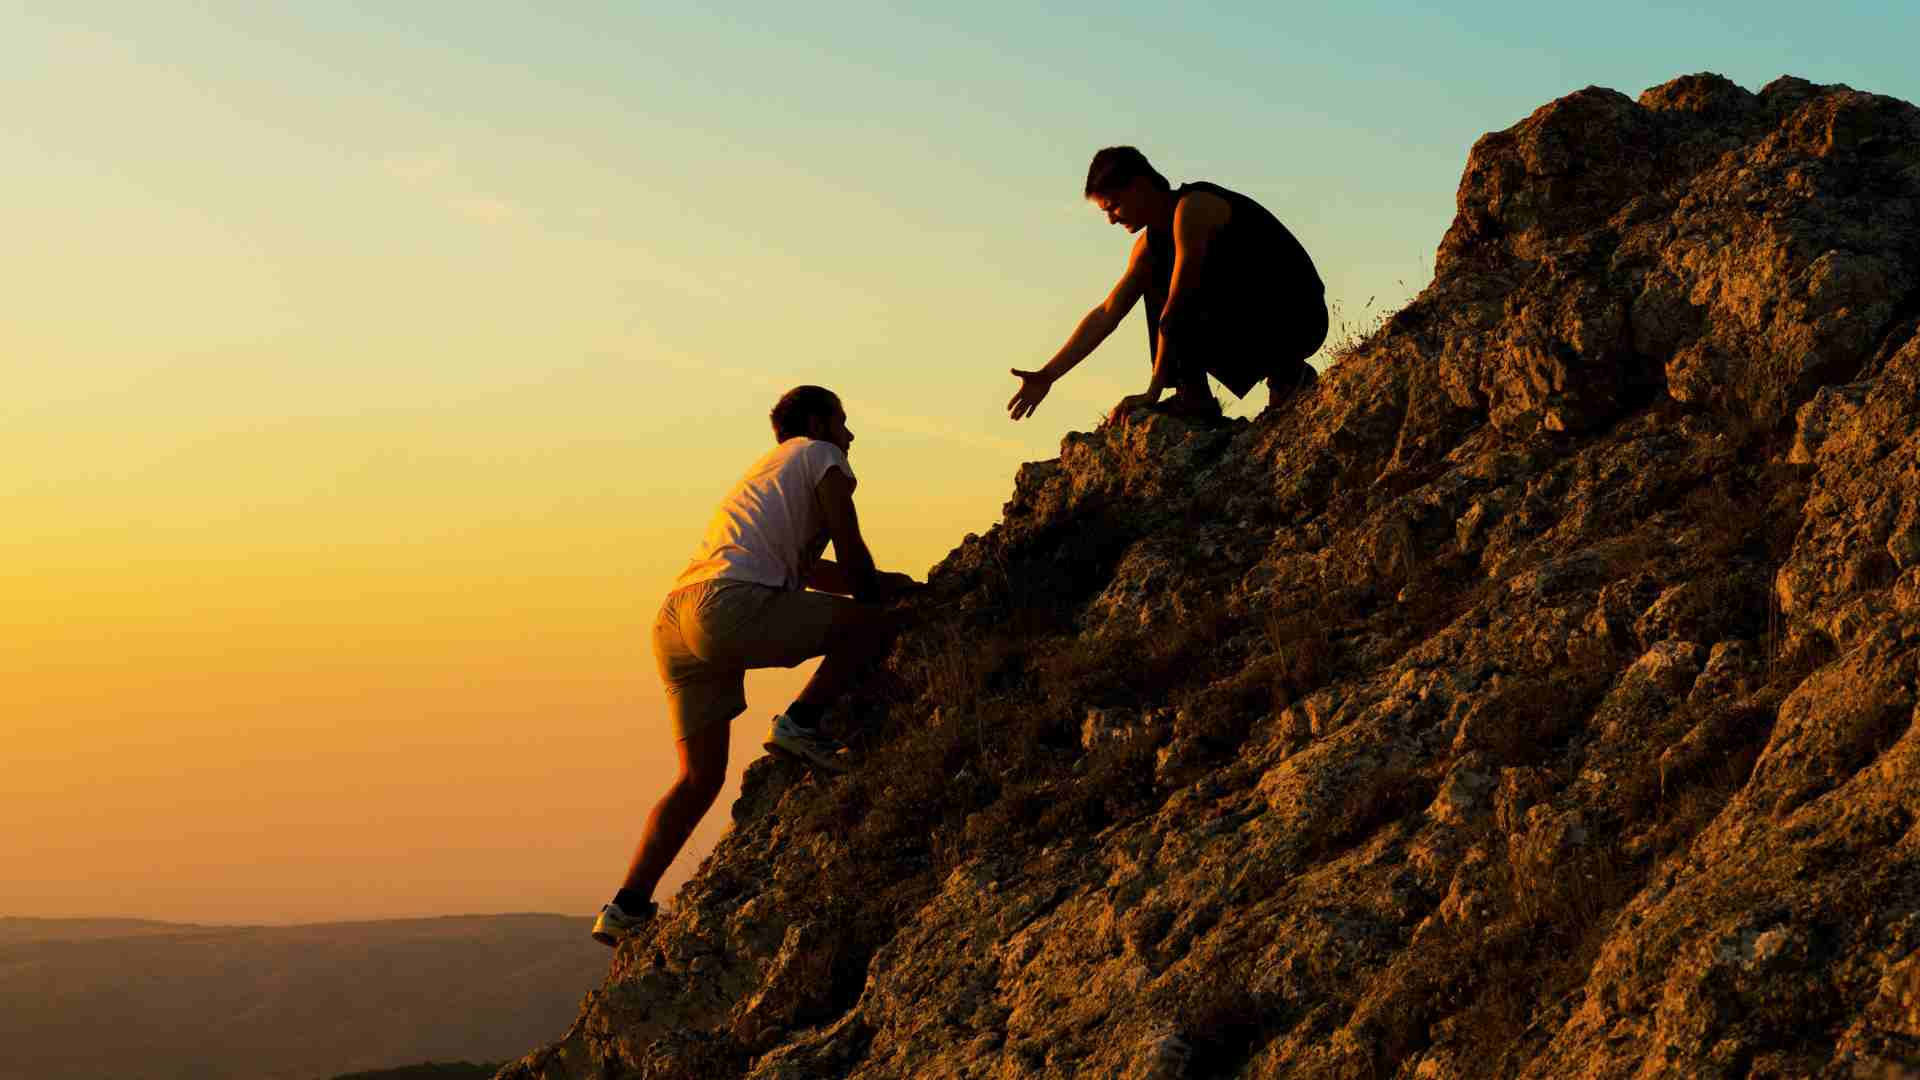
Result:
[1535,697]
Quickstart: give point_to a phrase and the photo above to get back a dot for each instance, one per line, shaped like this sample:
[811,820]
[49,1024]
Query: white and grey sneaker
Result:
[806,745]
[616,925]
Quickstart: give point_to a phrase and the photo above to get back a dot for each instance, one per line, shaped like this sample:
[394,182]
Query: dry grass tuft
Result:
[1302,657]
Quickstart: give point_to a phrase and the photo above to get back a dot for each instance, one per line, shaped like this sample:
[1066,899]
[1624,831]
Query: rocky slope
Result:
[1535,697]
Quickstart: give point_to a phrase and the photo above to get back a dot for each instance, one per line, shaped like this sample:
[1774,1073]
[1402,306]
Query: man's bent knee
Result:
[703,760]
[861,623]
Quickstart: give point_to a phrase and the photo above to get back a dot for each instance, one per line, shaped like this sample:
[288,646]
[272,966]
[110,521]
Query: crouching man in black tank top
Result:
[1230,293]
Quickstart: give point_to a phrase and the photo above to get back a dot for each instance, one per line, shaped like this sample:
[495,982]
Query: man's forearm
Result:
[828,576]
[1086,337]
[839,578]
[856,566]
[1163,366]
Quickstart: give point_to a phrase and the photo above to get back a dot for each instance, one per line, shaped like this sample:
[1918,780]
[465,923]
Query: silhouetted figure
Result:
[757,594]
[1230,293]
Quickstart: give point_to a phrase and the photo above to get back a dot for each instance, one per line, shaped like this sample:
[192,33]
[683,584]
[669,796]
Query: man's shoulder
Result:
[1230,197]
[1204,189]
[1211,204]
[813,456]
[805,445]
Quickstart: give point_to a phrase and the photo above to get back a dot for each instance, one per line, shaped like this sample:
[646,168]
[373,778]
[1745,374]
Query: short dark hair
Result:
[798,406]
[1116,167]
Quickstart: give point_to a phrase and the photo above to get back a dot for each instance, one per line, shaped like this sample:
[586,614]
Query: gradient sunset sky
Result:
[375,366]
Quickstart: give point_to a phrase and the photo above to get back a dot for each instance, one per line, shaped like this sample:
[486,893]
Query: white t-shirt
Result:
[769,528]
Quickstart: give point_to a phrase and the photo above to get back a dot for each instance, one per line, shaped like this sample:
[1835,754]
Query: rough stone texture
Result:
[1534,697]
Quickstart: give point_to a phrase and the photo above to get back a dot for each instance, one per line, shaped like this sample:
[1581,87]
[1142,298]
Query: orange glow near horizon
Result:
[376,368]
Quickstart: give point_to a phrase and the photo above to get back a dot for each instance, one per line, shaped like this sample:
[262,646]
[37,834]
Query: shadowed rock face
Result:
[1534,697]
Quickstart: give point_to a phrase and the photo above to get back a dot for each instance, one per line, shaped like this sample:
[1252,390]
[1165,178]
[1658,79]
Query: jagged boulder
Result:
[1534,697]
[1735,249]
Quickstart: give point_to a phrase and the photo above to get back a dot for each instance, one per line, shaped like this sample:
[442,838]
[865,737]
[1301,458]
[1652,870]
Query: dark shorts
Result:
[1245,340]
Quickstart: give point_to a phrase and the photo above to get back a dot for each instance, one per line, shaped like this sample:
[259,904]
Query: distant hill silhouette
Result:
[432,1070]
[92,999]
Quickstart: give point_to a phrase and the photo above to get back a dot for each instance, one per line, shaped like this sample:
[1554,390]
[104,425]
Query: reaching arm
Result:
[1094,328]
[852,562]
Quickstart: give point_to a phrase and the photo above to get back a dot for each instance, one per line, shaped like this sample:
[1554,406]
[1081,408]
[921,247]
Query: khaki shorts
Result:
[709,633]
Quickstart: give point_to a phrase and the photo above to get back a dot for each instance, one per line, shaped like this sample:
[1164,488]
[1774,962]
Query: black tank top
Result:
[1253,259]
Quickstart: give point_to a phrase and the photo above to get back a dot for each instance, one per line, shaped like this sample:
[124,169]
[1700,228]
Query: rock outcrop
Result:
[1534,697]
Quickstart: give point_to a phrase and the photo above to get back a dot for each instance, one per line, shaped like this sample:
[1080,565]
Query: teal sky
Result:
[395,353]
[632,222]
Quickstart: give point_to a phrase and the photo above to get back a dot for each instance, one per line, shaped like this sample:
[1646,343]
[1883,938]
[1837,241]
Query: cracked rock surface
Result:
[1535,696]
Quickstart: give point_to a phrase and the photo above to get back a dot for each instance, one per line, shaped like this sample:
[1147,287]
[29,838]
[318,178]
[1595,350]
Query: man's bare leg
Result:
[860,636]
[703,769]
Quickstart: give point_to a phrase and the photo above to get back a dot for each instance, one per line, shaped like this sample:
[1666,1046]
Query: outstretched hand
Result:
[1033,390]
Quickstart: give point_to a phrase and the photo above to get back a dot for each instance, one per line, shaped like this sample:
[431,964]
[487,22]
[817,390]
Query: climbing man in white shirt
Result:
[757,594]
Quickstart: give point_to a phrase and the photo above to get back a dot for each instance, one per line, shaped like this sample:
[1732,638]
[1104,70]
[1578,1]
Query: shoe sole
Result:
[795,756]
[612,938]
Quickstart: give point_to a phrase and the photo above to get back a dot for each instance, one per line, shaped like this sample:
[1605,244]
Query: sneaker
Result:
[615,925]
[1284,386]
[806,745]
